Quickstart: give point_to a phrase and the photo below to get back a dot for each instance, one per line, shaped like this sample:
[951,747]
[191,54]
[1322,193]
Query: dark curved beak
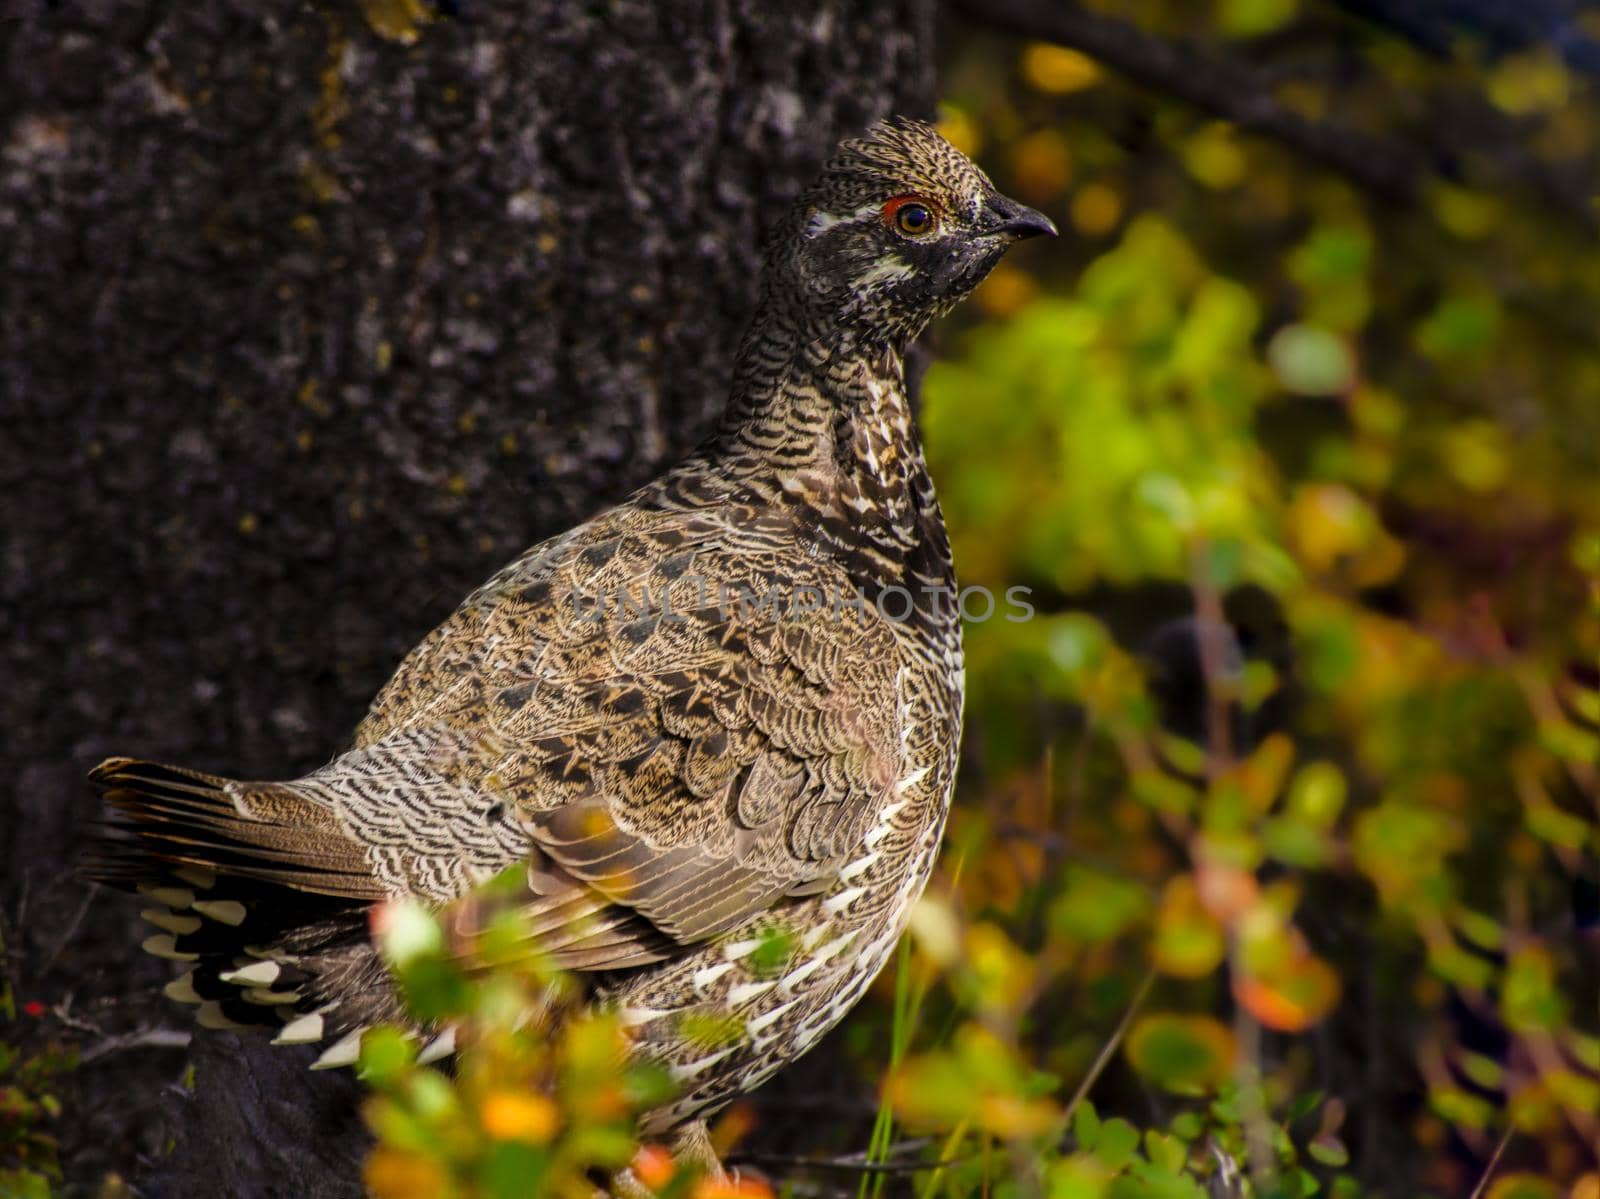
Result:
[1017,221]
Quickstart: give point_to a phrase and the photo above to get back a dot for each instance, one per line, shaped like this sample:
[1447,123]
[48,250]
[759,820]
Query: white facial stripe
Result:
[887,270]
[821,221]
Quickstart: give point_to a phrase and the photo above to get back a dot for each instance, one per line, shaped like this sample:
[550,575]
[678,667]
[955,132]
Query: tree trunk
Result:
[310,318]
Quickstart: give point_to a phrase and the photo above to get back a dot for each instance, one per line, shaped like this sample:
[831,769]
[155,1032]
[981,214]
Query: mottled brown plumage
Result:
[731,702]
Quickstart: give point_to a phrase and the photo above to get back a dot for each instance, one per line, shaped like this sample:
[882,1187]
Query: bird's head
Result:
[899,227]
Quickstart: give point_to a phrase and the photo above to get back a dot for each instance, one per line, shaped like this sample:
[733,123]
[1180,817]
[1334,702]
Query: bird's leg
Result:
[624,1184]
[692,1145]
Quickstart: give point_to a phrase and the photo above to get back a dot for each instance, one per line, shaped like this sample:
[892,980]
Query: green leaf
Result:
[1301,1182]
[514,1169]
[1303,1105]
[1186,1054]
[1086,1125]
[1250,18]
[1460,325]
[1166,1152]
[434,988]
[1117,1144]
[1329,1150]
[385,1052]
[1095,907]
[1187,1126]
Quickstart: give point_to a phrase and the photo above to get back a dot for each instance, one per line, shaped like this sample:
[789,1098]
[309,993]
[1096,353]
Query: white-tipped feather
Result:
[268,998]
[301,1031]
[166,946]
[182,989]
[226,911]
[442,1045]
[173,897]
[170,920]
[346,1051]
[257,974]
[211,1016]
[197,876]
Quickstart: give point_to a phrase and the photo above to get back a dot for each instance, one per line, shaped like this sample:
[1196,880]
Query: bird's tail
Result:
[254,886]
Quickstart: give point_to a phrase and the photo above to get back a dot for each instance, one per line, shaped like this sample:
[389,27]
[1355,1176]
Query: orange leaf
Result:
[514,1116]
[1293,1000]
[396,1174]
[653,1166]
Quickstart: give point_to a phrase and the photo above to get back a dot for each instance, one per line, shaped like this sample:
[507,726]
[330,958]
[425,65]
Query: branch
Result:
[145,1038]
[1103,1058]
[1231,89]
[1436,27]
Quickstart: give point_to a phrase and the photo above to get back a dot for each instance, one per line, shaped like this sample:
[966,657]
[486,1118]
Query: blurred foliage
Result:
[526,1112]
[29,1161]
[521,1111]
[1304,484]
[1277,825]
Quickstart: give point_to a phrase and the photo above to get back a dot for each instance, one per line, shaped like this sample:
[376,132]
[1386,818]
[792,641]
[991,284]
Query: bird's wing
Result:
[680,730]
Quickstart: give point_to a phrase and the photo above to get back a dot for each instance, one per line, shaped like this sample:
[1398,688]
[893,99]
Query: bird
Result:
[730,703]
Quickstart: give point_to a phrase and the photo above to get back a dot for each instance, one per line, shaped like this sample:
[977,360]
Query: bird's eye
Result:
[913,219]
[911,216]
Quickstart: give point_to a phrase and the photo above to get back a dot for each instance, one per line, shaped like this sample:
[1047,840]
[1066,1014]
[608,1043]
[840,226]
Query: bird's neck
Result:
[801,387]
[820,422]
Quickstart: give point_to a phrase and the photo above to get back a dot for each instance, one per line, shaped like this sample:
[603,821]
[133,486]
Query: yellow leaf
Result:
[1523,1186]
[1188,940]
[1041,165]
[1096,209]
[1006,291]
[1058,70]
[960,130]
[935,930]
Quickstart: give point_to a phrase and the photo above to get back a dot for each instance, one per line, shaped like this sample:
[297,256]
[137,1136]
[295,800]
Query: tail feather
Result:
[262,831]
[258,890]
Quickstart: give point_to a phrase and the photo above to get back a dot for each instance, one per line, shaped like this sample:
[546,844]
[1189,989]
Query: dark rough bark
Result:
[304,331]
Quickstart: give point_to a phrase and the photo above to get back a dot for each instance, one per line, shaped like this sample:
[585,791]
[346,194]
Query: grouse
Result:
[729,703]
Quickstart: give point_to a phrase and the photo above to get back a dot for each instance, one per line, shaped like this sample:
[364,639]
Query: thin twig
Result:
[62,1011]
[1109,1048]
[145,1038]
[1494,1163]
